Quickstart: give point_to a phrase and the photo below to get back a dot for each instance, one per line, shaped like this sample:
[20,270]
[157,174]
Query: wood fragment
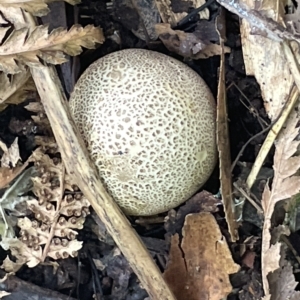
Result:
[78,164]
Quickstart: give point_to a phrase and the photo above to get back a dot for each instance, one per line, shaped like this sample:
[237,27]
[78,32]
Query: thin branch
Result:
[259,23]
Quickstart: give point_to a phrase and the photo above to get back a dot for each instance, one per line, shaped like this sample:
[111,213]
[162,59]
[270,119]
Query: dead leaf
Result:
[187,44]
[169,16]
[265,60]
[12,15]
[283,283]
[199,267]
[22,252]
[11,85]
[3,294]
[201,202]
[64,250]
[223,140]
[10,266]
[14,201]
[12,156]
[49,232]
[35,7]
[3,146]
[285,185]
[17,90]
[7,174]
[41,120]
[24,47]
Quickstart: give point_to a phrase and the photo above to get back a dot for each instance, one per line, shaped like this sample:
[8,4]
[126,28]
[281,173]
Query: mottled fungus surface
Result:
[148,122]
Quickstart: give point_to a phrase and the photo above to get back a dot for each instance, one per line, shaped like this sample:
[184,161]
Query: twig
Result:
[246,144]
[264,26]
[192,14]
[79,165]
[251,107]
[245,194]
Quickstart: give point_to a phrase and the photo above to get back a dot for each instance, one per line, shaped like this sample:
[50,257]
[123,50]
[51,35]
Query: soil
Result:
[81,277]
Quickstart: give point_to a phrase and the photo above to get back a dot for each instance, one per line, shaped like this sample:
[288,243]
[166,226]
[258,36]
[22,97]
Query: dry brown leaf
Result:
[10,266]
[35,107]
[12,156]
[50,233]
[283,284]
[12,15]
[7,175]
[273,9]
[22,92]
[3,294]
[10,85]
[24,47]
[285,185]
[64,250]
[22,252]
[38,8]
[15,90]
[3,146]
[223,139]
[46,141]
[199,267]
[272,262]
[187,44]
[265,60]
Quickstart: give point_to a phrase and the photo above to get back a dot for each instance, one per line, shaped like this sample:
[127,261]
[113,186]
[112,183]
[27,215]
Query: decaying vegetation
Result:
[46,199]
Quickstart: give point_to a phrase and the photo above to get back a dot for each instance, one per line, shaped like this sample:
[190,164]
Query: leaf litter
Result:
[46,224]
[37,8]
[202,259]
[28,46]
[35,45]
[286,184]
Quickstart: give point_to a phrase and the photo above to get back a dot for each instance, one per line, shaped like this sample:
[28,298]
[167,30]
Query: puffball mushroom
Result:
[148,122]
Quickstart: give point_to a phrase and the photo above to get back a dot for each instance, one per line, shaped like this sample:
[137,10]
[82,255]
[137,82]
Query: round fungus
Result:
[148,122]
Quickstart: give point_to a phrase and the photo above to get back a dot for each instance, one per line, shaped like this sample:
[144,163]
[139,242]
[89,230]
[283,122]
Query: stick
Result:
[79,165]
[264,26]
